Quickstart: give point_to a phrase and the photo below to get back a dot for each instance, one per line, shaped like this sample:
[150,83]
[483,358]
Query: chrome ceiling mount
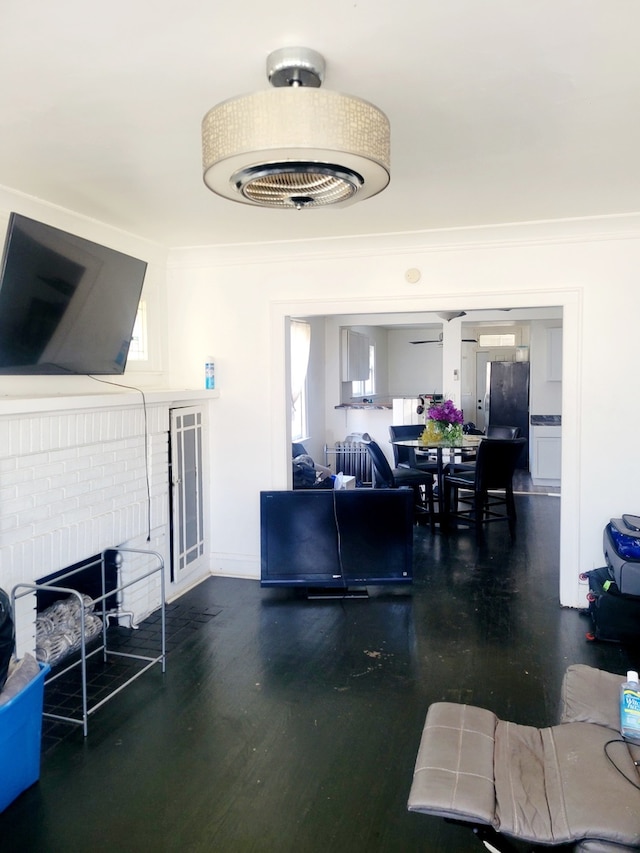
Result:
[295,66]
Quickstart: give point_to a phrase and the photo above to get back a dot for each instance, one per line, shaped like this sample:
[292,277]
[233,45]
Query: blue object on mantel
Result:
[546,420]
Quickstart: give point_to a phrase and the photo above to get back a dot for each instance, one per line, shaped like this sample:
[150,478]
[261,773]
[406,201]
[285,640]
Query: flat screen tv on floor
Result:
[336,538]
[67,305]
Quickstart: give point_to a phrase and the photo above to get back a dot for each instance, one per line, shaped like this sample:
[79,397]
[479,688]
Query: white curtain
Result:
[300,343]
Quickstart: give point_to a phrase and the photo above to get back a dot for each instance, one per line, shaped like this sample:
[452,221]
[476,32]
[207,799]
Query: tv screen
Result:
[336,538]
[67,305]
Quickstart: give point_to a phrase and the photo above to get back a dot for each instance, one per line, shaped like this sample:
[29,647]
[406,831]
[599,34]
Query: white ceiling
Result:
[500,110]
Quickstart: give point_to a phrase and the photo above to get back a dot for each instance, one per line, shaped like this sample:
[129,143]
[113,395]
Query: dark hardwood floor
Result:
[290,725]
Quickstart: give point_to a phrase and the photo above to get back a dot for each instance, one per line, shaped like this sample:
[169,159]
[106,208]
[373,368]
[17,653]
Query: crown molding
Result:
[586,230]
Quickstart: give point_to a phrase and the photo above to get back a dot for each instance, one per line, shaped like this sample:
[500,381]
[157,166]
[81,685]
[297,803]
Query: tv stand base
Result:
[340,592]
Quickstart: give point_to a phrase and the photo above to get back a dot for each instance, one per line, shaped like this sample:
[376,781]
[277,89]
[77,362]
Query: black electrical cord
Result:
[613,764]
[338,538]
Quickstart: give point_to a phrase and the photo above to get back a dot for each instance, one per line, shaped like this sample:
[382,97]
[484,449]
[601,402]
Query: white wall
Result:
[414,368]
[243,295]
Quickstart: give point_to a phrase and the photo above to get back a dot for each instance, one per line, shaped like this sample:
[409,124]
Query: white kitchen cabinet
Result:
[554,355]
[355,356]
[546,455]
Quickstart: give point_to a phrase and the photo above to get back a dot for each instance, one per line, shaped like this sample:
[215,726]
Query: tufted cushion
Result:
[547,786]
[591,696]
[555,785]
[453,774]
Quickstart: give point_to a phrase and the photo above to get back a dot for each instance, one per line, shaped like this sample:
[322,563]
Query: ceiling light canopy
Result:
[450,315]
[295,145]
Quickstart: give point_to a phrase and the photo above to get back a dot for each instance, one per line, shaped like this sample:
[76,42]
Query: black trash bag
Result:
[7,636]
[307,476]
[304,474]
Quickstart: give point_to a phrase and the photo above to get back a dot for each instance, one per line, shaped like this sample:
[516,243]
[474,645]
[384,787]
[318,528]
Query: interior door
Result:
[187,494]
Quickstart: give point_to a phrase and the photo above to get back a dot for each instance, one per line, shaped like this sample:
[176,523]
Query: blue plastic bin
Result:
[20,739]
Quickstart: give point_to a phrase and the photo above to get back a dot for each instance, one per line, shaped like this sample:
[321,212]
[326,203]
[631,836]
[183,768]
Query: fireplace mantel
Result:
[27,404]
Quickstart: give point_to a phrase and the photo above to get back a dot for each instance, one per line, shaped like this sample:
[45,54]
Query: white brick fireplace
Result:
[78,475]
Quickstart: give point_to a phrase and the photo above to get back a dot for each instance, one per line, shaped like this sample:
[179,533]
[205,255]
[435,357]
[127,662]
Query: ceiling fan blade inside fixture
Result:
[464,341]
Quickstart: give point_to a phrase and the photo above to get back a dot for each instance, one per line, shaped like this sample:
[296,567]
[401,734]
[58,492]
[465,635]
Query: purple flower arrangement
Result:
[445,412]
[443,425]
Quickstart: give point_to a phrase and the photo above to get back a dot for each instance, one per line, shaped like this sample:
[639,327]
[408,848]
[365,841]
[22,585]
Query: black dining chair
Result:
[468,463]
[495,431]
[485,494]
[386,477]
[405,457]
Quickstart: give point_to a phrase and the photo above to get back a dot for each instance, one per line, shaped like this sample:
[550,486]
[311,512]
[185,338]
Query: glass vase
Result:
[442,432]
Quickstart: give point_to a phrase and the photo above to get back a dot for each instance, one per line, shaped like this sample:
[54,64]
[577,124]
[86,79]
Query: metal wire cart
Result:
[91,617]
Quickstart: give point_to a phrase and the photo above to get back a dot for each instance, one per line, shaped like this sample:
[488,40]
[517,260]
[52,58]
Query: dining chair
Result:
[495,431]
[386,477]
[405,457]
[485,494]
[468,463]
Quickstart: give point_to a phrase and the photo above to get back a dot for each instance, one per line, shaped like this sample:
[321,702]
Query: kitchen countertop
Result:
[546,420]
[364,406]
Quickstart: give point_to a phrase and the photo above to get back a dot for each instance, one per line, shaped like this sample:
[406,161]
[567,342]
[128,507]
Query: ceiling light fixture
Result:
[295,145]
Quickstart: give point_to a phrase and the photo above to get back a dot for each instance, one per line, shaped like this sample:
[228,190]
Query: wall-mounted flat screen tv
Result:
[67,305]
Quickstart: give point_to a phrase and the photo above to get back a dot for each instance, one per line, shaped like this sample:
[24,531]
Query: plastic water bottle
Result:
[209,374]
[630,708]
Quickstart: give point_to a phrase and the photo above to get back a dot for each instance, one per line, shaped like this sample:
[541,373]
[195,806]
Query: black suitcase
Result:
[615,617]
[621,543]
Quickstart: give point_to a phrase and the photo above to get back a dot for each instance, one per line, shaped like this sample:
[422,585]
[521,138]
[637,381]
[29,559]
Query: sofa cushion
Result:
[547,786]
[556,785]
[453,775]
[591,696]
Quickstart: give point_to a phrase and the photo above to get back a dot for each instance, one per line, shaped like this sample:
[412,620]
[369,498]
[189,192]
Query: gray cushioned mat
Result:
[453,774]
[548,786]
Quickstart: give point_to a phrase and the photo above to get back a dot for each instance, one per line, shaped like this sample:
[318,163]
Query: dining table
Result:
[468,444]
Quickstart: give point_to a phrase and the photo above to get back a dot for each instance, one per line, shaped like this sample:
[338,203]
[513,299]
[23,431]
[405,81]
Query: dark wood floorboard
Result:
[290,725]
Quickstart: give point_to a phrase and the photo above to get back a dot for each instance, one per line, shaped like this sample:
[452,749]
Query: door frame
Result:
[569,300]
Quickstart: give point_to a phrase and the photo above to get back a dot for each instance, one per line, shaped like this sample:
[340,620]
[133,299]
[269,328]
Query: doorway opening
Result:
[405,311]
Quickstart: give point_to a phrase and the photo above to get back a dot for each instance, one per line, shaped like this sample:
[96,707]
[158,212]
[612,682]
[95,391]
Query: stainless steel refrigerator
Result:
[507,399]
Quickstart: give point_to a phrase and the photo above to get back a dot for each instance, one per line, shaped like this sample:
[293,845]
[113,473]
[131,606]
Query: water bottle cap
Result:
[632,675]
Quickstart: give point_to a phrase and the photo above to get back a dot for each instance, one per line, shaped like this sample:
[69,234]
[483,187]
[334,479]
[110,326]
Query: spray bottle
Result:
[209,374]
[630,708]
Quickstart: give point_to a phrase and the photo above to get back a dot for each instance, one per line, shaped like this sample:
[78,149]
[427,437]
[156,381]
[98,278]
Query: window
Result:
[367,387]
[508,340]
[138,349]
[299,429]
[300,344]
